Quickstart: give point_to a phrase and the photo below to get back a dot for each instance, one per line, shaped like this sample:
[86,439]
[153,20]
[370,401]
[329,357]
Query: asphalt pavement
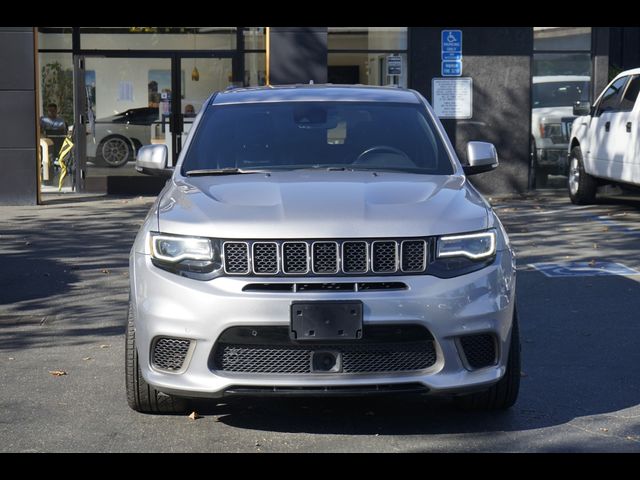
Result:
[63,302]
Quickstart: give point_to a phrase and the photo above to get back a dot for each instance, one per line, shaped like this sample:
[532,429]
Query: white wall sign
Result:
[394,65]
[453,97]
[125,91]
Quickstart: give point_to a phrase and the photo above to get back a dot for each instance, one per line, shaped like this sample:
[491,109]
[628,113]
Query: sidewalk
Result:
[66,263]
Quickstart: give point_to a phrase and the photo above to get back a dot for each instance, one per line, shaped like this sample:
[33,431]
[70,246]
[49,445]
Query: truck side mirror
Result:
[581,108]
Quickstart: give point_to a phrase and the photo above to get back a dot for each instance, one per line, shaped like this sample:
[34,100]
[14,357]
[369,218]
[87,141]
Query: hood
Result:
[549,113]
[321,204]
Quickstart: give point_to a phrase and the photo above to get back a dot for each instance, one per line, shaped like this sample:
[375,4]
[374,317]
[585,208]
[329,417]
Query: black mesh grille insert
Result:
[236,257]
[269,350]
[413,255]
[295,257]
[265,257]
[354,257]
[325,257]
[384,257]
[367,358]
[170,353]
[480,350]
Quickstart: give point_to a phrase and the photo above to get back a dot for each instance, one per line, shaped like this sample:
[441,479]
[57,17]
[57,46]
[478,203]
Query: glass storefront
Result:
[124,86]
[56,114]
[367,55]
[158,38]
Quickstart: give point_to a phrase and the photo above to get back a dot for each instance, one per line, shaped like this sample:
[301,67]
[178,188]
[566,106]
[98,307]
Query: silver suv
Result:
[320,240]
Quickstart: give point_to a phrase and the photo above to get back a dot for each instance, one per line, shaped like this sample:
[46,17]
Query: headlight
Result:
[190,256]
[475,246]
[461,254]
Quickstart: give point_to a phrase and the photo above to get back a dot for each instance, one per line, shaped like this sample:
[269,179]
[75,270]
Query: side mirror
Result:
[482,157]
[581,108]
[152,160]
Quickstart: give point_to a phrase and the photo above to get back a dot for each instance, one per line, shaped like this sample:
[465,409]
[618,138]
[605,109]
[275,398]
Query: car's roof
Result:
[633,71]
[315,93]
[560,78]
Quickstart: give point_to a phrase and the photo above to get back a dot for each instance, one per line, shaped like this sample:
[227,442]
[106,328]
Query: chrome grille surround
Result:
[355,257]
[295,257]
[265,258]
[384,256]
[335,257]
[413,256]
[236,257]
[324,257]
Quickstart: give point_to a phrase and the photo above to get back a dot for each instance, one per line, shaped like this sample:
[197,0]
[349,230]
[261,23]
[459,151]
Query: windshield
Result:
[288,135]
[559,94]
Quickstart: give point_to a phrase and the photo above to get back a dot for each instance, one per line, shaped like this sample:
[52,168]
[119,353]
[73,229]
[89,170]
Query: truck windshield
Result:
[559,94]
[292,135]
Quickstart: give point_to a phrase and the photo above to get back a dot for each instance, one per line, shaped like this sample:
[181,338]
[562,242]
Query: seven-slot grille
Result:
[326,257]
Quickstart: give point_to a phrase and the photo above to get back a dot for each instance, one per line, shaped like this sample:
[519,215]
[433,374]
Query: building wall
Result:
[498,59]
[18,122]
[297,55]
[625,48]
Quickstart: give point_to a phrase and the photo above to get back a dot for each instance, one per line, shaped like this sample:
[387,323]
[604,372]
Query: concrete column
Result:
[498,59]
[18,117]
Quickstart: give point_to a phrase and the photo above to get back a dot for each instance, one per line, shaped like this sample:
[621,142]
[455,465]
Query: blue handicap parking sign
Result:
[451,55]
[451,68]
[452,41]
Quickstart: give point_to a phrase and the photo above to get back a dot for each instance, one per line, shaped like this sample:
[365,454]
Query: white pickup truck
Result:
[604,146]
[553,98]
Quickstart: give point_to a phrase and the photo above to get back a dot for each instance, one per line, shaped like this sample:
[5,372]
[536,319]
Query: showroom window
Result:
[561,75]
[158,38]
[367,55]
[134,82]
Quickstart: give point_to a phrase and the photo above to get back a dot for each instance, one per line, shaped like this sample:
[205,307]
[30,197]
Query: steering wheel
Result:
[379,149]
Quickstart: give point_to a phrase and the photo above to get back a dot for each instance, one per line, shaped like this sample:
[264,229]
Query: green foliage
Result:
[57,87]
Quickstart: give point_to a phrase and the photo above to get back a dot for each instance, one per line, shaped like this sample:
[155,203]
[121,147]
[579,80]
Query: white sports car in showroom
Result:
[119,137]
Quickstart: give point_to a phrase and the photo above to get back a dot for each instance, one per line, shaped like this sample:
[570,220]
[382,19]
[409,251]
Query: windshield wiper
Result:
[220,171]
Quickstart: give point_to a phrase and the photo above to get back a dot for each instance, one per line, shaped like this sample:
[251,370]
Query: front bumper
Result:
[167,305]
[554,160]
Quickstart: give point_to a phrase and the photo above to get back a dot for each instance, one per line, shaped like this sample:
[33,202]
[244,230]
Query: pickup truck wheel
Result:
[582,186]
[141,396]
[503,394]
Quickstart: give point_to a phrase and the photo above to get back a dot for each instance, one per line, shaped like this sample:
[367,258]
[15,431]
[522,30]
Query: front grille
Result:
[170,353]
[414,256]
[236,257]
[269,350]
[335,257]
[384,257]
[265,257]
[480,350]
[354,257]
[325,257]
[296,257]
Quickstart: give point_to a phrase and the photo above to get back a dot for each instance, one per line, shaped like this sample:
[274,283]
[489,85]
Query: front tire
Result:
[540,175]
[141,396]
[114,151]
[582,186]
[504,393]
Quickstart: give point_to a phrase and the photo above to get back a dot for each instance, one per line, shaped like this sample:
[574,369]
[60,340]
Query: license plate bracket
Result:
[326,320]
